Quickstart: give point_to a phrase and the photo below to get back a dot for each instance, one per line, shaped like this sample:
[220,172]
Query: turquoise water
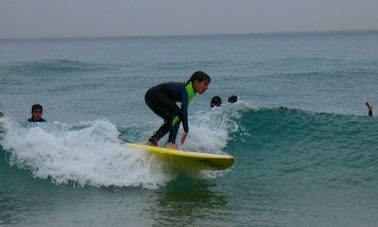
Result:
[306,152]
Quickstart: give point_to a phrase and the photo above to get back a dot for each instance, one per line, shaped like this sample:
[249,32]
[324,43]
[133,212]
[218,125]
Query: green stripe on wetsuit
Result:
[190,91]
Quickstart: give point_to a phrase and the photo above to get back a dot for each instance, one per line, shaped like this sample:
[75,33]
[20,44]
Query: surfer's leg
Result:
[172,135]
[164,129]
[164,107]
[173,132]
[153,100]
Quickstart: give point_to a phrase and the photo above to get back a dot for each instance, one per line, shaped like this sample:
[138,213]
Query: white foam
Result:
[210,131]
[87,154]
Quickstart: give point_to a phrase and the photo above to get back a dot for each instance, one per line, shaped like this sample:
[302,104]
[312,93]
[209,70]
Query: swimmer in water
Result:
[216,101]
[370,109]
[36,113]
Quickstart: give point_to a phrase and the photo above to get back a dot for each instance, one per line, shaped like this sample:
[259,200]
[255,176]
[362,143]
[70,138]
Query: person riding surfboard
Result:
[161,99]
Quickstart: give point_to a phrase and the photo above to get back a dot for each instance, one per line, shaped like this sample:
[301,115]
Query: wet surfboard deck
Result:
[189,159]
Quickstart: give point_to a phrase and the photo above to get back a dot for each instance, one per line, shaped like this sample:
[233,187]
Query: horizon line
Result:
[195,35]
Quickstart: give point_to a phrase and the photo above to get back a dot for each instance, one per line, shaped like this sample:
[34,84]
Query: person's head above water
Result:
[200,81]
[36,112]
[216,101]
[233,99]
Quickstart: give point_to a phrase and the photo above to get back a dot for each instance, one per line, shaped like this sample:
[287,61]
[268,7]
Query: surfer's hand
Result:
[183,137]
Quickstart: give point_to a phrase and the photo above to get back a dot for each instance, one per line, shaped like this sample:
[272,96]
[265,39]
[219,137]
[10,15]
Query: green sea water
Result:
[306,152]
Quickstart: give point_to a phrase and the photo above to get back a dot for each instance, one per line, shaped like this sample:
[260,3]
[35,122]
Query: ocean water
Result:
[306,152]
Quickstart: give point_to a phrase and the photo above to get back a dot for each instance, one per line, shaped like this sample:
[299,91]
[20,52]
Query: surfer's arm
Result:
[184,109]
[370,108]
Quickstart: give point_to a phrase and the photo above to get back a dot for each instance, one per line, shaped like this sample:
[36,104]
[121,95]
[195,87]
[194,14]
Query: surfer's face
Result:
[37,114]
[201,87]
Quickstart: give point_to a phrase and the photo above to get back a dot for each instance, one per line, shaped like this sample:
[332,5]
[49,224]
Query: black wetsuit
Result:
[40,120]
[162,100]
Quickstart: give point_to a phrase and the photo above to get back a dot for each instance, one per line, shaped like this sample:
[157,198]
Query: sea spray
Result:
[87,154]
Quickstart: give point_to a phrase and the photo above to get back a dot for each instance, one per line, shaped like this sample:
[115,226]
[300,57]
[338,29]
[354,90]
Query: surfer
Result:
[216,101]
[370,109]
[36,113]
[161,99]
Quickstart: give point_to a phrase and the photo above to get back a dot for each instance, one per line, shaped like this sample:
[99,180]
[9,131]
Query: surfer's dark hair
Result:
[216,101]
[36,107]
[199,76]
[233,99]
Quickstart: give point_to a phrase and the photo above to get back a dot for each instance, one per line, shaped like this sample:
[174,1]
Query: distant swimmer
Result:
[162,99]
[36,113]
[1,114]
[233,99]
[216,101]
[370,109]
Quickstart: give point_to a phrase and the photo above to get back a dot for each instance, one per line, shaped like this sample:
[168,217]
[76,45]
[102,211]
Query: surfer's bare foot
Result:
[151,142]
[171,146]
[148,143]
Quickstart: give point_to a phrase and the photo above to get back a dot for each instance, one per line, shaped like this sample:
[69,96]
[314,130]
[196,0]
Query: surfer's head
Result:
[200,81]
[233,99]
[215,101]
[37,112]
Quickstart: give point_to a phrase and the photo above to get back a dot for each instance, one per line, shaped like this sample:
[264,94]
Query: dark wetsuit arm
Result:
[184,109]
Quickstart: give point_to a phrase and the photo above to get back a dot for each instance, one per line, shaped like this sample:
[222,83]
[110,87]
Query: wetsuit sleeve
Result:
[184,109]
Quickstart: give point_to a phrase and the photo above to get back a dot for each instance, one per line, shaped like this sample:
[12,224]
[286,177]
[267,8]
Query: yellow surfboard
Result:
[188,159]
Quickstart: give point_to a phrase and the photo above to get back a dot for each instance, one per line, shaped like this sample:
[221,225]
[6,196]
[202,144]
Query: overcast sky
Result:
[86,18]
